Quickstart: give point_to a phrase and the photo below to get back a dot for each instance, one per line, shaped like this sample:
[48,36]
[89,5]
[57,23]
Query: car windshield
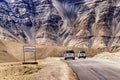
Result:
[82,51]
[70,51]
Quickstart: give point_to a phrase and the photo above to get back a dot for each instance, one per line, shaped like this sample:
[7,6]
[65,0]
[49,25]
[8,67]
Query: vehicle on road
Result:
[82,54]
[69,54]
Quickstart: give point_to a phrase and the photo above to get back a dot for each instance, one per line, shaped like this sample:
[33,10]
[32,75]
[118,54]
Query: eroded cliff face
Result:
[80,23]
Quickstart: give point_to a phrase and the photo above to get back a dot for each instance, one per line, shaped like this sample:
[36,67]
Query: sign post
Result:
[31,49]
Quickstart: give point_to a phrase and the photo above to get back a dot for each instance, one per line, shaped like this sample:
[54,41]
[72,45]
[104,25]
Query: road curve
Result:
[95,69]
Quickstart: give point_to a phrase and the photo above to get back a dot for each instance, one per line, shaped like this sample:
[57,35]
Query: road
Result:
[95,69]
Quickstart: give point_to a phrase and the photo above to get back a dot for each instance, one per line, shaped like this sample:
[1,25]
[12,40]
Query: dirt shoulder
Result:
[108,55]
[47,69]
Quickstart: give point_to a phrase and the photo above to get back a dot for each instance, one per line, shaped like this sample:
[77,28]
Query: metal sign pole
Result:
[35,54]
[23,55]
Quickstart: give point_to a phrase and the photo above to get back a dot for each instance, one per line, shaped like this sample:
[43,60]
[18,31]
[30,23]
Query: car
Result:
[82,54]
[69,54]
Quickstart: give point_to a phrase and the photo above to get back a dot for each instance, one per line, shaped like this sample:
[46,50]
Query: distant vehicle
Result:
[81,54]
[69,54]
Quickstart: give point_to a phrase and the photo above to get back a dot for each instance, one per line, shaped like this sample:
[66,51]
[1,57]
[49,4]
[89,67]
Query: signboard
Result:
[29,48]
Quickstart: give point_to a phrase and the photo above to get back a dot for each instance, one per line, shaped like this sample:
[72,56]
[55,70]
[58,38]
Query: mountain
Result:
[79,23]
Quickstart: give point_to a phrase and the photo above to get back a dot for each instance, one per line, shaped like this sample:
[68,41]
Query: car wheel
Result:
[84,57]
[73,58]
[65,59]
[80,56]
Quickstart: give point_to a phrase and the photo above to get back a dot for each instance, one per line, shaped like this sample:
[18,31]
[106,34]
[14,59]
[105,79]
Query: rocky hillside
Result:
[81,23]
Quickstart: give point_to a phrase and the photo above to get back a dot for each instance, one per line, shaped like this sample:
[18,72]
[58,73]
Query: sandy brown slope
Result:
[4,54]
[13,51]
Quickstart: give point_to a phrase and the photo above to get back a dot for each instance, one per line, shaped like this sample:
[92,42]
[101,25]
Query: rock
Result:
[80,23]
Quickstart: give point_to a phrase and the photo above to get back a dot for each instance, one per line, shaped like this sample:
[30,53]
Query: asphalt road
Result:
[95,69]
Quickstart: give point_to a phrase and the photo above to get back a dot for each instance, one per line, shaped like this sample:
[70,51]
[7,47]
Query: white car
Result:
[82,54]
[69,54]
